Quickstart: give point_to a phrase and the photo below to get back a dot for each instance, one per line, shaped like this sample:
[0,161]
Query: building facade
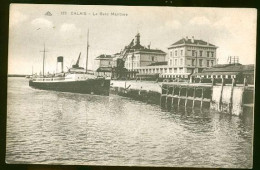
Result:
[185,57]
[104,65]
[137,56]
[191,55]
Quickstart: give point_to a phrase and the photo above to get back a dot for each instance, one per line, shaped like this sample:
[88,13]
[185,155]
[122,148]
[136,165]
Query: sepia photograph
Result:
[143,86]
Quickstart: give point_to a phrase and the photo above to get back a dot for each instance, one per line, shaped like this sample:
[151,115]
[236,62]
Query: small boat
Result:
[76,80]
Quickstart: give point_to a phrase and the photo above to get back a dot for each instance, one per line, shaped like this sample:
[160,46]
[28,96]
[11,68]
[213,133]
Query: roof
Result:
[231,68]
[104,69]
[158,63]
[104,56]
[139,48]
[132,47]
[215,73]
[185,41]
[152,50]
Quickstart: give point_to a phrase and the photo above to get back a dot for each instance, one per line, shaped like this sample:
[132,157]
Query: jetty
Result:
[231,98]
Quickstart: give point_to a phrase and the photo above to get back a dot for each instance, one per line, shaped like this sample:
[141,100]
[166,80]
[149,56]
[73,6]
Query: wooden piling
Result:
[166,97]
[173,87]
[194,94]
[220,97]
[179,97]
[231,96]
[202,95]
[186,99]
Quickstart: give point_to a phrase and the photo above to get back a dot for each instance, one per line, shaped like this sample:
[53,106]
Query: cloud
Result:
[68,30]
[200,21]
[17,17]
[173,24]
[42,23]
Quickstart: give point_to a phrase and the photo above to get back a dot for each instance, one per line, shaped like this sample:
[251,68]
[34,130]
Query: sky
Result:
[64,32]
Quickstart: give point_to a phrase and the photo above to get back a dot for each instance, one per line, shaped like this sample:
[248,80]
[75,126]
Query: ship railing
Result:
[49,79]
[59,78]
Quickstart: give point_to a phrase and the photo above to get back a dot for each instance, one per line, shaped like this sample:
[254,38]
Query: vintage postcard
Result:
[131,86]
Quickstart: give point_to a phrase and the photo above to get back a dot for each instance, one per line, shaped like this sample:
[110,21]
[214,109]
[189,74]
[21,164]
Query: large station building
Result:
[183,58]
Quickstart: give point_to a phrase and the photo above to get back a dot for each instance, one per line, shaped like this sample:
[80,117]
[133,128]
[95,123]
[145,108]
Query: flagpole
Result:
[87,53]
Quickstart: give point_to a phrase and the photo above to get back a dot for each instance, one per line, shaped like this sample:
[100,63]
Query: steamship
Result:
[76,80]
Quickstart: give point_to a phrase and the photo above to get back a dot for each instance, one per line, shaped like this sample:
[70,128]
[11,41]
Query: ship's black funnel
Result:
[60,64]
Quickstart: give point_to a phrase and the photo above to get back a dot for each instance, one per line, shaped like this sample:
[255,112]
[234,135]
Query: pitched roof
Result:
[104,56]
[152,50]
[230,68]
[104,69]
[138,47]
[185,41]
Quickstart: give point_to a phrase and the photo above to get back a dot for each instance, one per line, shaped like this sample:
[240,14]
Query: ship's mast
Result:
[87,54]
[44,51]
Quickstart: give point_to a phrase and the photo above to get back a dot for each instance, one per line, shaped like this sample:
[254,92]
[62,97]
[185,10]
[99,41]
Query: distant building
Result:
[191,55]
[104,65]
[185,57]
[135,55]
[228,72]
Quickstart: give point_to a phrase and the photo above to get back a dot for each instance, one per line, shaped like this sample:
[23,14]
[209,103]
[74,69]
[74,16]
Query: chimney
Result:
[192,39]
[137,39]
[59,64]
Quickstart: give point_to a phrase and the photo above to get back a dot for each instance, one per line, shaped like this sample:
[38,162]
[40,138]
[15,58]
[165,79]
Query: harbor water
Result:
[48,127]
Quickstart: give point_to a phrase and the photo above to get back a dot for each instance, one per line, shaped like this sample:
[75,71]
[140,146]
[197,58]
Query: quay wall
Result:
[223,98]
[149,92]
[227,99]
[138,85]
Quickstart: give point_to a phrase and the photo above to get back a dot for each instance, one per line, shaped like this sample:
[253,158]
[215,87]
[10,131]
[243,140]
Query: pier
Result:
[228,98]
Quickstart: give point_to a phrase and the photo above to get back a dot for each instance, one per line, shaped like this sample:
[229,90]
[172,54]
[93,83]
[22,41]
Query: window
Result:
[201,53]
[207,63]
[212,54]
[171,53]
[170,62]
[193,52]
[181,62]
[212,62]
[207,53]
[181,52]
[152,58]
[200,62]
[175,62]
[193,62]
[170,70]
[175,52]
[175,70]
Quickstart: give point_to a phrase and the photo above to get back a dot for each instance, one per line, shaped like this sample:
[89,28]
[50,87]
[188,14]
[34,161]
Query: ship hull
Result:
[90,86]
